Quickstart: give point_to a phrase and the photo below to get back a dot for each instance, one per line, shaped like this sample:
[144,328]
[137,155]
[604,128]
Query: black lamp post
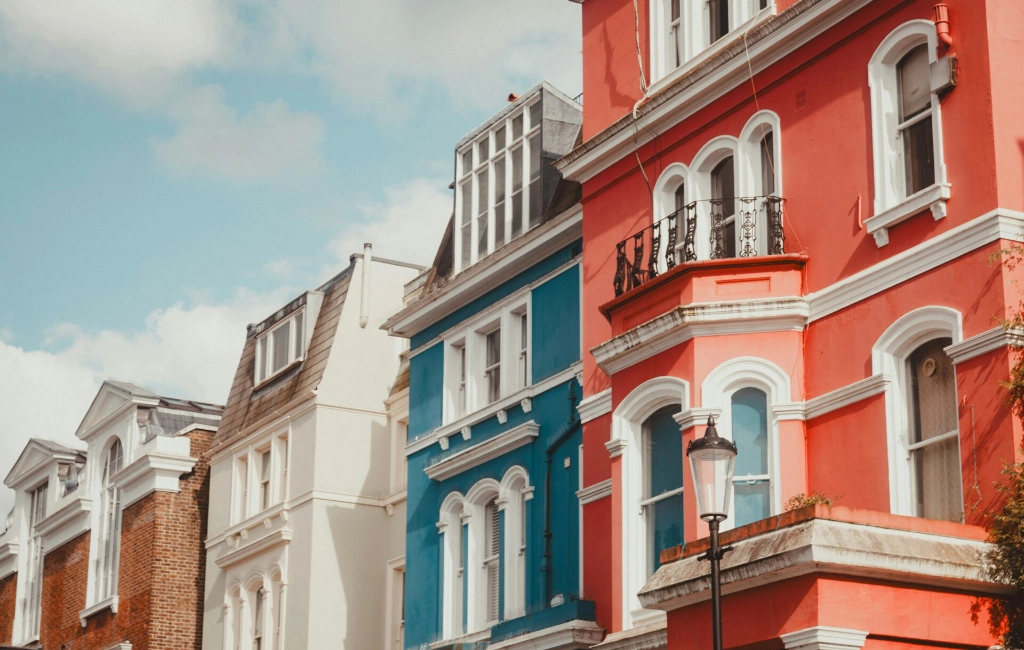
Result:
[711,462]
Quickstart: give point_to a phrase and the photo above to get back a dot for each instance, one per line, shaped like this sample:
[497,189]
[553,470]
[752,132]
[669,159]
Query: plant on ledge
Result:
[802,500]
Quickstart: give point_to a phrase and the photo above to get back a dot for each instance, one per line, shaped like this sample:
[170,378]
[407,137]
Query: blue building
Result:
[493,520]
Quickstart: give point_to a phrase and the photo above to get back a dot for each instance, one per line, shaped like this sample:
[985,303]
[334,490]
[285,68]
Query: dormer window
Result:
[498,192]
[280,346]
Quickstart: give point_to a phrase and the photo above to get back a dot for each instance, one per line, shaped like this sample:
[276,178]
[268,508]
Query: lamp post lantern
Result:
[712,460]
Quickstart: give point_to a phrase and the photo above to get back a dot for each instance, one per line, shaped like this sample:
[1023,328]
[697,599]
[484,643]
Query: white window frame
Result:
[696,46]
[627,441]
[471,337]
[891,202]
[510,497]
[889,357]
[104,575]
[710,155]
[296,334]
[31,602]
[395,614]
[717,391]
[247,489]
[471,175]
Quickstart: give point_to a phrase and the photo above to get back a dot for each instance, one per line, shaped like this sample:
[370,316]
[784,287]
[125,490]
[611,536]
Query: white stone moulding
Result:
[987,341]
[644,637]
[823,637]
[595,492]
[595,406]
[481,453]
[571,635]
[933,198]
[242,553]
[108,603]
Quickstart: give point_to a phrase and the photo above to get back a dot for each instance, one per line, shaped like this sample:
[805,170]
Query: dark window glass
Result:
[718,12]
[768,164]
[664,469]
[723,208]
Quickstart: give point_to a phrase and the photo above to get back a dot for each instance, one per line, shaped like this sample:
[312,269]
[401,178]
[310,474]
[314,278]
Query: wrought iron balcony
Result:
[741,227]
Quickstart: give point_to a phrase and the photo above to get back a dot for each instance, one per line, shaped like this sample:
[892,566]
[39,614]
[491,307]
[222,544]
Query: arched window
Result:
[723,209]
[492,561]
[922,414]
[934,447]
[752,480]
[663,484]
[515,492]
[906,129]
[453,563]
[257,619]
[671,214]
[110,524]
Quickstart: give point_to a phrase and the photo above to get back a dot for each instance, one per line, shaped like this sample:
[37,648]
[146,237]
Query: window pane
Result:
[261,359]
[517,127]
[936,466]
[467,161]
[300,334]
[937,469]
[280,348]
[482,153]
[499,138]
[750,431]
[517,169]
[752,501]
[493,347]
[675,10]
[499,201]
[914,82]
[466,190]
[918,156]
[535,190]
[517,195]
[534,114]
[481,226]
[768,164]
[665,527]
[680,196]
[467,243]
[718,12]
[492,373]
[664,453]
[723,209]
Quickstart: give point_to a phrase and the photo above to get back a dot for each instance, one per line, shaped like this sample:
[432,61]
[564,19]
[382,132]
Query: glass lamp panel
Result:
[664,453]
[712,476]
[750,431]
[665,527]
[752,501]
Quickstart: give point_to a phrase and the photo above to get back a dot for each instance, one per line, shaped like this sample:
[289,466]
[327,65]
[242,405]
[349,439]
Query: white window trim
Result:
[889,357]
[463,176]
[472,335]
[93,601]
[259,379]
[713,152]
[717,390]
[743,15]
[626,439]
[891,206]
[510,495]
[245,472]
[394,624]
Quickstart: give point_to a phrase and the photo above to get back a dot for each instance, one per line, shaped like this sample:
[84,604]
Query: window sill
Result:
[933,198]
[108,603]
[269,380]
[522,397]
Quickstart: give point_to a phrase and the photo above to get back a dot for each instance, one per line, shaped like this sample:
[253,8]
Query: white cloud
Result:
[407,225]
[137,49]
[270,142]
[182,351]
[382,54]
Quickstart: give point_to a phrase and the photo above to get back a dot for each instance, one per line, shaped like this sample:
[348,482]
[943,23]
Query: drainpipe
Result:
[364,305]
[941,19]
[564,434]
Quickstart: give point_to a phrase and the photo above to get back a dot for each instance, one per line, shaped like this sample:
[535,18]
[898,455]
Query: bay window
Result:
[499,185]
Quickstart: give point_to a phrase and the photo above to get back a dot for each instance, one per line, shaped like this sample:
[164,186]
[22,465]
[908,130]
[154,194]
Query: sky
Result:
[170,172]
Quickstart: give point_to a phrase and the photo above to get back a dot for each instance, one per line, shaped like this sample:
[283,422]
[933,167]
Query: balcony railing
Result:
[736,228]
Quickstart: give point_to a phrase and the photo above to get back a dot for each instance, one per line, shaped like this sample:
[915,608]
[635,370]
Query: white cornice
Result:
[476,455]
[644,637]
[490,411]
[845,396]
[152,472]
[595,406]
[788,31]
[700,319]
[696,416]
[929,254]
[979,344]
[566,636]
[595,492]
[273,540]
[933,198]
[615,447]
[65,524]
[492,272]
[8,558]
[822,637]
[826,546]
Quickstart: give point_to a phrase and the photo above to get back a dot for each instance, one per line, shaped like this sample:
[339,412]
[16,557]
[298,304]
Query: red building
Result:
[790,208]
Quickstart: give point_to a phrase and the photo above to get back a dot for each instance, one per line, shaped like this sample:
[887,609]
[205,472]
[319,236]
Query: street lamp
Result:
[711,462]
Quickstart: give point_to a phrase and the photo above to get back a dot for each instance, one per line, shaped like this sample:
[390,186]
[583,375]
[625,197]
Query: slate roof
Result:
[246,406]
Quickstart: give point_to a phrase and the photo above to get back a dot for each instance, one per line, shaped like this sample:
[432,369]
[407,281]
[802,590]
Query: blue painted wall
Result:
[556,347]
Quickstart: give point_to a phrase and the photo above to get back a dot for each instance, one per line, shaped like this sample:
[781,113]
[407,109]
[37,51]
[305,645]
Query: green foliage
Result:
[803,500]
[1006,560]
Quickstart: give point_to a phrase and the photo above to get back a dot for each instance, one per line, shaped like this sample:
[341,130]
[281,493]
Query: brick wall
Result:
[160,575]
[8,596]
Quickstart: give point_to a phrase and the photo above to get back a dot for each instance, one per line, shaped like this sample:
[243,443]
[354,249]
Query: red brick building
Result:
[104,547]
